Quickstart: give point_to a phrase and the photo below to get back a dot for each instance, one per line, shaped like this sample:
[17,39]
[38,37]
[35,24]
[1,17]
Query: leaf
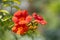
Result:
[6,5]
[8,24]
[16,7]
[16,1]
[1,23]
[4,0]
[0,16]
[5,18]
[4,11]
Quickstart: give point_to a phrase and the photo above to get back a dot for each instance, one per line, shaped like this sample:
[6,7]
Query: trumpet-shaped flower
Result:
[21,17]
[39,19]
[23,22]
[20,29]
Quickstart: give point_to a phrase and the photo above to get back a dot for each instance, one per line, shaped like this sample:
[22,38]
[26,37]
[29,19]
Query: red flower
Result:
[14,29]
[21,17]
[21,20]
[20,29]
[39,19]
[28,18]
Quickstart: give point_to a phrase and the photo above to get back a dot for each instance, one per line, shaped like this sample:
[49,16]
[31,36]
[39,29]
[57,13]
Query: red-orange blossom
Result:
[21,19]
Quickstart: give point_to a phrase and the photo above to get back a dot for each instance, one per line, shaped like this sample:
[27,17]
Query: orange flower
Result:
[39,19]
[20,29]
[21,17]
[22,22]
[14,29]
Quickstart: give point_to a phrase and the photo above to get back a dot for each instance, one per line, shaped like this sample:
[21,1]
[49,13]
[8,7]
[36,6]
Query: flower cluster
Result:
[23,22]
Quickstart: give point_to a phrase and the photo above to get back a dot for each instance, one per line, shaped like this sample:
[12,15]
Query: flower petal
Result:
[28,18]
[22,22]
[15,19]
[14,29]
[43,22]
[24,13]
[18,13]
[39,19]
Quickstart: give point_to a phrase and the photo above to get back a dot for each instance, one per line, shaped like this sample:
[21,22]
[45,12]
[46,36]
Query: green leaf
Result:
[5,18]
[16,1]
[0,16]
[4,0]
[6,5]
[4,11]
[1,23]
[16,7]
[8,24]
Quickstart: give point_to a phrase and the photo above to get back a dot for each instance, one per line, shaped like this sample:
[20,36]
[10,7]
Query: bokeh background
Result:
[49,9]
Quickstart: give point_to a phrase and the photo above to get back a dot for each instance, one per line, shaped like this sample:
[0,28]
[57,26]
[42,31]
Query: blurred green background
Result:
[49,9]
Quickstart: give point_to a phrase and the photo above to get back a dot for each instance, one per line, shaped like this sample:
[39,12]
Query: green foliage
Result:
[5,16]
[9,3]
[4,12]
[16,7]
[5,21]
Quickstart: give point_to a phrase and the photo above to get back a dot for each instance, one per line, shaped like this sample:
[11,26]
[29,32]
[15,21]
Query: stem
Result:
[32,37]
[11,9]
[0,6]
[11,6]
[15,36]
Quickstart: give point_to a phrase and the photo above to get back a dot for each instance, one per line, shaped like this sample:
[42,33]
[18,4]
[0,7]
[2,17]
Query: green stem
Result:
[32,37]
[15,36]
[11,9]
[0,6]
